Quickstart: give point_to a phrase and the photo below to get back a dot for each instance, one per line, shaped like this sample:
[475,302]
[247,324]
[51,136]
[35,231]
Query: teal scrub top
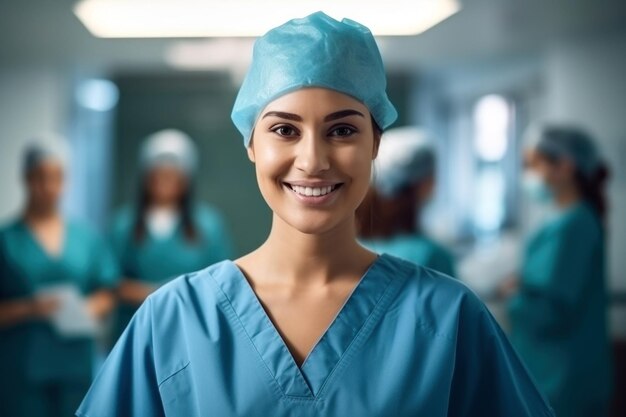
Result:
[158,260]
[558,319]
[418,249]
[408,342]
[33,352]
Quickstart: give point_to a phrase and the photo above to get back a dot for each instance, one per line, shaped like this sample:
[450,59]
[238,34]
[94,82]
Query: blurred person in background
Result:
[55,280]
[558,316]
[166,233]
[402,185]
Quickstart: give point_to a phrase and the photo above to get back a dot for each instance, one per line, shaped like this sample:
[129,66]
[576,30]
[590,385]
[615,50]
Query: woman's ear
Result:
[250,149]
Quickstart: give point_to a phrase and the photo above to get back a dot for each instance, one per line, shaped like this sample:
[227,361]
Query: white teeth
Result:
[312,191]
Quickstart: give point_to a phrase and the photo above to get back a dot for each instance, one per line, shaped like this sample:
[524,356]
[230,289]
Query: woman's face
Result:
[45,184]
[313,151]
[165,185]
[555,174]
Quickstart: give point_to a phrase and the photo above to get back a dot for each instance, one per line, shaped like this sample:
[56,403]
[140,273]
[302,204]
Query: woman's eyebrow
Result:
[342,113]
[283,115]
[332,116]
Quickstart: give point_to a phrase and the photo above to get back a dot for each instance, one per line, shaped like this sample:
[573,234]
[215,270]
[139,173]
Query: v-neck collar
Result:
[348,330]
[50,256]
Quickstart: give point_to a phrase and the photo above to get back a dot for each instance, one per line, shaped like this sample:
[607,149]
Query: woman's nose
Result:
[312,154]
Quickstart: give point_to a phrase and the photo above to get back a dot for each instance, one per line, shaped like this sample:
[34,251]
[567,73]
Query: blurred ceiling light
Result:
[226,18]
[97,94]
[211,54]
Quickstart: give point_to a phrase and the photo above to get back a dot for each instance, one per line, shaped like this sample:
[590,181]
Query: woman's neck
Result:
[38,214]
[164,205]
[567,197]
[302,259]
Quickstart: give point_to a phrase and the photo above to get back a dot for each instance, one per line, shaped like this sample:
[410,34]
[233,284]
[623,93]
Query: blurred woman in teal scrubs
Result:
[402,184]
[46,368]
[558,317]
[165,234]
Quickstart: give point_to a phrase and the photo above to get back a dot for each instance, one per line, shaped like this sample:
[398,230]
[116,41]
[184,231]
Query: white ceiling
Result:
[44,32]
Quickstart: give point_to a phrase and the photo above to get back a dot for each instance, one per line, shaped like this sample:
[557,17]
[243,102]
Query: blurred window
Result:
[492,120]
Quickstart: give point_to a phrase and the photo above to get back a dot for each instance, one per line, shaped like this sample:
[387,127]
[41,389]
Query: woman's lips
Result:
[313,193]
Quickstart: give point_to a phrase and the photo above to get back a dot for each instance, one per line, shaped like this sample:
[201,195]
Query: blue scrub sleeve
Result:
[489,378]
[127,383]
[552,294]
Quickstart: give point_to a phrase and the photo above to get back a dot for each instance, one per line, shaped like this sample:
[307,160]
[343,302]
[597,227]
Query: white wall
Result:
[32,101]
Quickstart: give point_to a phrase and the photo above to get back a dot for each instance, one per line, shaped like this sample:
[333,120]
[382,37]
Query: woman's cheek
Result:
[360,163]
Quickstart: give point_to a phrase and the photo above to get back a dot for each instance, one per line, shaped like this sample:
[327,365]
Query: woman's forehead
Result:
[49,165]
[314,101]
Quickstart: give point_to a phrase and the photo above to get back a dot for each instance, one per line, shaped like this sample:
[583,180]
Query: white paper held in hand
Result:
[71,319]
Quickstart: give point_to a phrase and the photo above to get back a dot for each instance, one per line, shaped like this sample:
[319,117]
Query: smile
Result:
[312,192]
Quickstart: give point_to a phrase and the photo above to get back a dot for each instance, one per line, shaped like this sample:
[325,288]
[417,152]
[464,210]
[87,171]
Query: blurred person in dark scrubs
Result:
[402,185]
[166,233]
[558,316]
[55,281]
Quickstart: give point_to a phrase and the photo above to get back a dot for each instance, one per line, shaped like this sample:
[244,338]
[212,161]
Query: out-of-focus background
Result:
[491,66]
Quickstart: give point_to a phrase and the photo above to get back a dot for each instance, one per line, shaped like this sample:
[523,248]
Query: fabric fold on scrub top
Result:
[408,341]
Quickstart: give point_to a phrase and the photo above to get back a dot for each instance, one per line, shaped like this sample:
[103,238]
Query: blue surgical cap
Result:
[314,51]
[169,147]
[43,148]
[562,141]
[405,156]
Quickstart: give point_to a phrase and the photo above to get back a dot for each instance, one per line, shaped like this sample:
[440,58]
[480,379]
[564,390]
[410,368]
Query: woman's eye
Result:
[342,131]
[285,131]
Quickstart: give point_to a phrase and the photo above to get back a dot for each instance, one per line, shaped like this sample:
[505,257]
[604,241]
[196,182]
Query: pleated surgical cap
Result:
[405,156]
[562,141]
[169,147]
[314,51]
[45,147]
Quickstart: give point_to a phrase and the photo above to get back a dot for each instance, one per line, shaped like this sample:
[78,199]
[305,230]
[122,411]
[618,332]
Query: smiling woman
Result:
[313,151]
[311,323]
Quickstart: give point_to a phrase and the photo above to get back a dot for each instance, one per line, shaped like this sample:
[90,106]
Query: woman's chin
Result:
[312,223]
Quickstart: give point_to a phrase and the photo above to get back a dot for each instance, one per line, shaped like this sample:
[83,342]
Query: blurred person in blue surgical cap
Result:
[166,233]
[311,323]
[56,277]
[402,184]
[558,316]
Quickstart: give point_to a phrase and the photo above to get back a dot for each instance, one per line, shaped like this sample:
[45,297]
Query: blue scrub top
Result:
[418,249]
[158,260]
[32,352]
[407,342]
[559,317]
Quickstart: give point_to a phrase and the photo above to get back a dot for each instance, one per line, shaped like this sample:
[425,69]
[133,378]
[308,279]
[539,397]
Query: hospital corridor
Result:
[304,208]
